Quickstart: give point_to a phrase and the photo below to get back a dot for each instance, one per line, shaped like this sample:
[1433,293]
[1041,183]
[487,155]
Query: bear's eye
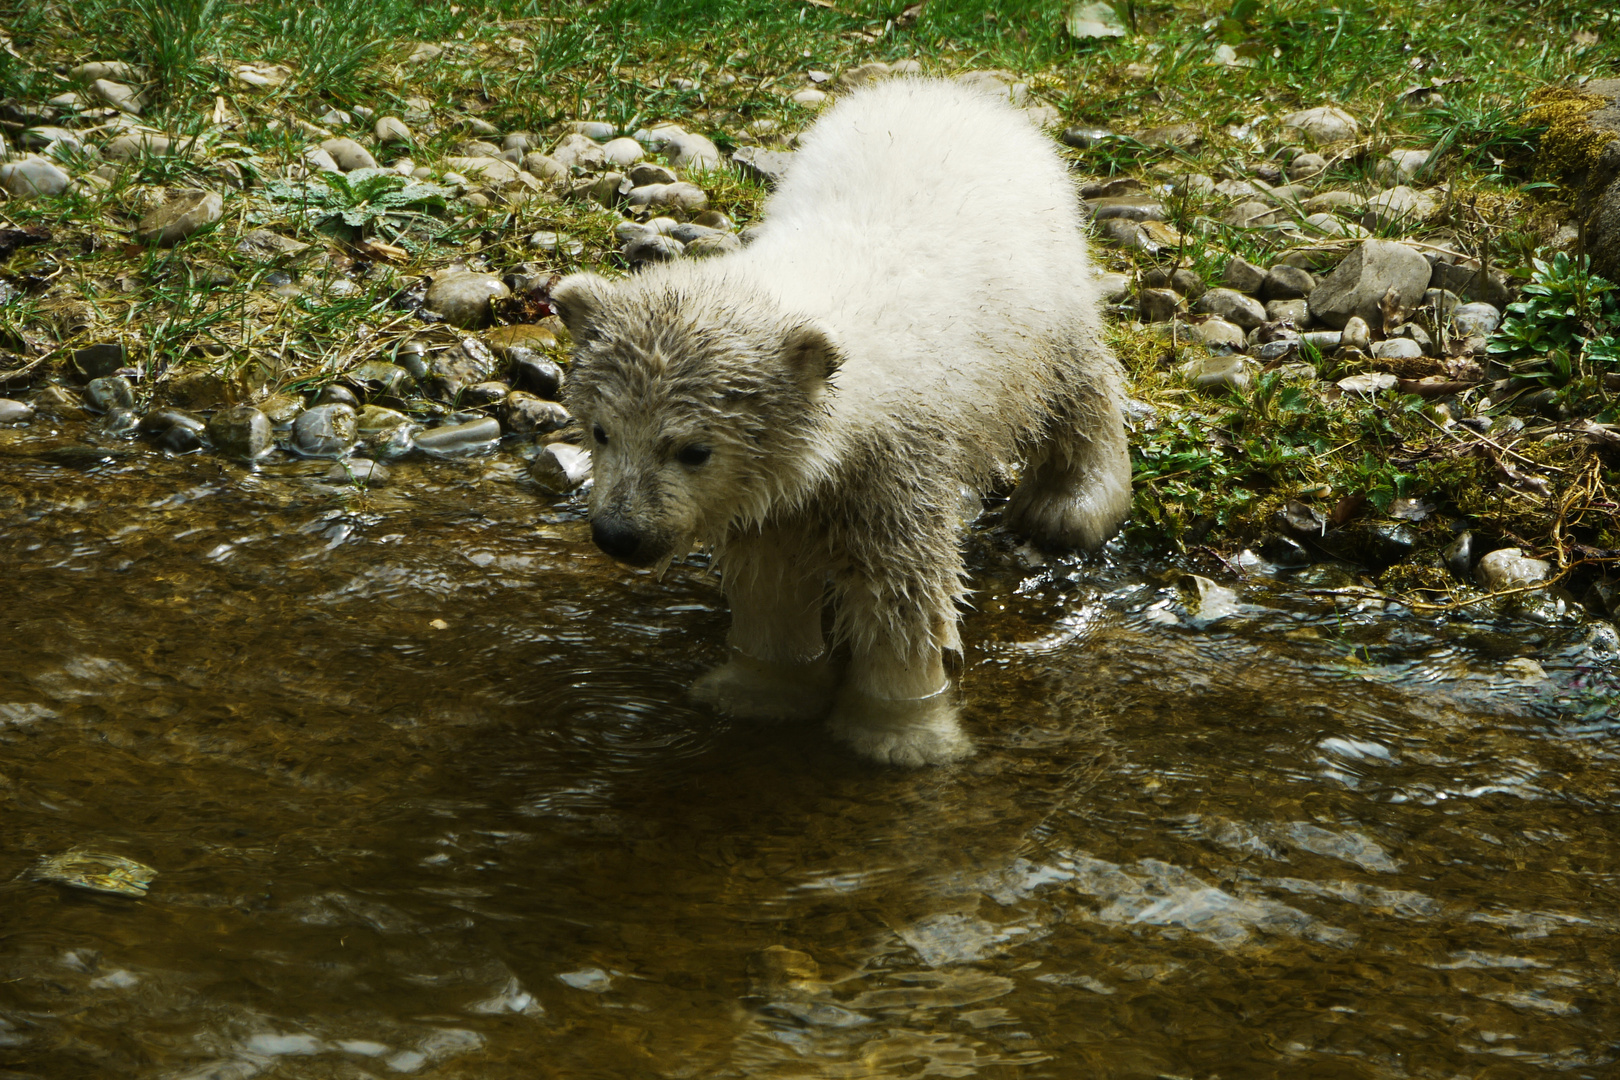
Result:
[694,455]
[599,434]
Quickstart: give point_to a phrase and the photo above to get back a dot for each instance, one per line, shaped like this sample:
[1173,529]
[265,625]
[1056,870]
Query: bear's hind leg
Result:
[778,668]
[1076,488]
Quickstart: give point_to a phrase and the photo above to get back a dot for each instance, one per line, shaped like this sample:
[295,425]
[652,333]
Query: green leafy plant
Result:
[351,204]
[1568,323]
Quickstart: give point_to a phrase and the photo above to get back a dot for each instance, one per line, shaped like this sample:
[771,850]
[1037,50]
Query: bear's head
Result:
[703,405]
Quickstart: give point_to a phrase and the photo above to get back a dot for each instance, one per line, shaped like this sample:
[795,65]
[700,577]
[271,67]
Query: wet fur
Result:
[917,315]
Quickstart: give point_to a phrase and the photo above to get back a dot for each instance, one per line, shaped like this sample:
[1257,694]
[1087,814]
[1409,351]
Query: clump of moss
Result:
[1570,146]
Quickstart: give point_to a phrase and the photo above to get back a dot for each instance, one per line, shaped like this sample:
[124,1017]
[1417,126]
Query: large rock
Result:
[1581,146]
[1365,277]
[183,214]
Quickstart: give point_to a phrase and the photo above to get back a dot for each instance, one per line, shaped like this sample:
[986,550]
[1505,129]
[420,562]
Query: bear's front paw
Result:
[761,690]
[912,732]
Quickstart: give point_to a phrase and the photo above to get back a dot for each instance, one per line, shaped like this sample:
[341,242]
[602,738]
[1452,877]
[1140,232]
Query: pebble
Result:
[687,150]
[59,401]
[1287,283]
[1185,136]
[349,154]
[391,129]
[481,394]
[1509,568]
[1218,374]
[763,166]
[1325,124]
[1160,305]
[15,412]
[183,214]
[135,144]
[1322,340]
[378,418]
[1459,555]
[545,168]
[94,361]
[578,153]
[1359,283]
[595,130]
[1333,225]
[1112,287]
[1372,382]
[159,421]
[1253,214]
[1217,333]
[527,414]
[119,96]
[108,393]
[471,437]
[1306,166]
[623,153]
[43,138]
[1243,275]
[180,439]
[560,467]
[653,248]
[1297,313]
[320,160]
[240,432]
[715,243]
[324,431]
[1398,205]
[1396,348]
[336,394]
[463,297]
[1233,306]
[1476,318]
[33,178]
[1400,165]
[1084,138]
[105,69]
[521,141]
[1129,207]
[535,374]
[809,97]
[1356,335]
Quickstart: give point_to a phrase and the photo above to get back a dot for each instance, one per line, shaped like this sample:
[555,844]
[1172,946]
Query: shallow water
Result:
[425,797]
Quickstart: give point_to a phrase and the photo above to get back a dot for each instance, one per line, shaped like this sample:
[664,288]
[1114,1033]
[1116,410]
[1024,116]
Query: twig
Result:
[1493,444]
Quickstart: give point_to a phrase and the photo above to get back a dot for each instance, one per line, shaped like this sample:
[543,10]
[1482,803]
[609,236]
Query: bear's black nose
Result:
[615,536]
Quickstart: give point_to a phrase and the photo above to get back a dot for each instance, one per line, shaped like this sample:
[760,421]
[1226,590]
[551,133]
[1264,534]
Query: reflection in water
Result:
[425,797]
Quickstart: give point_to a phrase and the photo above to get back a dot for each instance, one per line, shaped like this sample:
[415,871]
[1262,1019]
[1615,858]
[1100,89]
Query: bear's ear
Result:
[578,300]
[811,352]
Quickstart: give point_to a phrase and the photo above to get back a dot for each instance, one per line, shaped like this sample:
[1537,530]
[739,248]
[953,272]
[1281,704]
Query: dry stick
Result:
[1494,445]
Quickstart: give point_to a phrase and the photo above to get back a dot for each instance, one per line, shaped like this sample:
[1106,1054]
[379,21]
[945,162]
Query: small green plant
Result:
[1567,325]
[349,205]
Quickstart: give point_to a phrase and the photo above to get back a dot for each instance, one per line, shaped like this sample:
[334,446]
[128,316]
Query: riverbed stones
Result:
[455,439]
[1396,348]
[1325,124]
[463,297]
[180,216]
[1233,306]
[560,468]
[349,154]
[1217,333]
[324,431]
[15,412]
[1511,568]
[240,432]
[108,393]
[33,178]
[391,129]
[1371,271]
[528,414]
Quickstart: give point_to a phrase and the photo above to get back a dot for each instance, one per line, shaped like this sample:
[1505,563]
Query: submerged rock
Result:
[1509,568]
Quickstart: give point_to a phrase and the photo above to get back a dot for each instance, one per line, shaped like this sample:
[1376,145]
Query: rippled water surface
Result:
[424,796]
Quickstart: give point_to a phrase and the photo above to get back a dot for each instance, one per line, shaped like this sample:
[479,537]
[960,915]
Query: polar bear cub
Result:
[916,315]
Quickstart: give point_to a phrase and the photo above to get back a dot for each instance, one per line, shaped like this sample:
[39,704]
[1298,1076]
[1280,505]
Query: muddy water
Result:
[425,798]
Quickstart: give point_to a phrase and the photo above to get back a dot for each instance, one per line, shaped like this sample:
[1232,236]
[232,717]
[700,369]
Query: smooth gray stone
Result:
[324,431]
[465,438]
[108,393]
[240,432]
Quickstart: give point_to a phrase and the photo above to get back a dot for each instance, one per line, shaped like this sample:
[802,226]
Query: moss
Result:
[1570,146]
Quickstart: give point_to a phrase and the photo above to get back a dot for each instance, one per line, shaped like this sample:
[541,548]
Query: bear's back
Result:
[939,234]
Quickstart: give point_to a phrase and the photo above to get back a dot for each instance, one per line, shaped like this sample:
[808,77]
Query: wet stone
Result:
[463,297]
[535,373]
[240,432]
[334,394]
[1510,568]
[15,412]
[108,393]
[94,361]
[180,440]
[378,418]
[481,394]
[525,414]
[379,377]
[453,439]
[560,468]
[1459,556]
[159,421]
[359,471]
[324,431]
